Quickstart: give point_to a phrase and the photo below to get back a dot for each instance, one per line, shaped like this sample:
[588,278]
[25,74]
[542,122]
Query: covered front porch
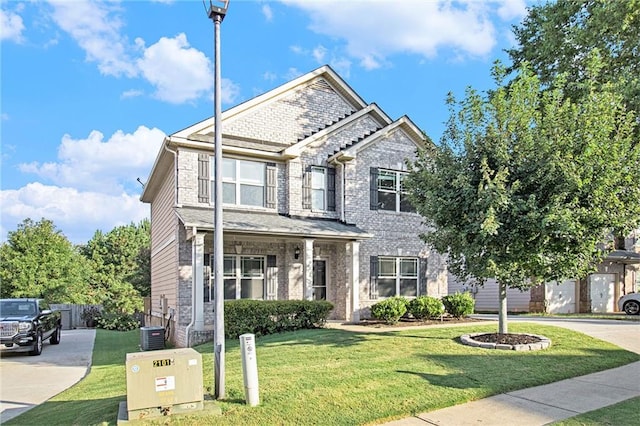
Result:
[266,257]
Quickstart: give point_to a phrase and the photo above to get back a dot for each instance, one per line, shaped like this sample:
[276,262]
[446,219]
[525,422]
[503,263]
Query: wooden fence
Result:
[72,315]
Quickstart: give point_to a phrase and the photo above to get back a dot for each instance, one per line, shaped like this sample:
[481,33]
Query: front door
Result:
[319,290]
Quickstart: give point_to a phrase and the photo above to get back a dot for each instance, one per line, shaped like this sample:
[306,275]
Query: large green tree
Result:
[120,269]
[37,260]
[525,183]
[557,38]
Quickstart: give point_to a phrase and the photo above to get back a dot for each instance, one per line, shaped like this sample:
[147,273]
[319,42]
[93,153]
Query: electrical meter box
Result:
[163,382]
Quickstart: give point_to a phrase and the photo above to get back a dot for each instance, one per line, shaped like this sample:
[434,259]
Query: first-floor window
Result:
[397,276]
[243,277]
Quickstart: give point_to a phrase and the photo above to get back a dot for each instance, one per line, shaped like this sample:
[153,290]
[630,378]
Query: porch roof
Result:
[623,256]
[270,224]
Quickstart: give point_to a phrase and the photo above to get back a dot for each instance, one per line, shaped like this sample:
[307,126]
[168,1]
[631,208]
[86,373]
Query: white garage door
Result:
[602,292]
[561,298]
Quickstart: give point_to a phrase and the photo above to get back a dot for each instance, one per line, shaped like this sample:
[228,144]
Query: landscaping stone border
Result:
[544,343]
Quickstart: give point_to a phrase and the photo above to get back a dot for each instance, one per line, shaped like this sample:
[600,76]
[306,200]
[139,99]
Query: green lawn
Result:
[331,376]
[622,414]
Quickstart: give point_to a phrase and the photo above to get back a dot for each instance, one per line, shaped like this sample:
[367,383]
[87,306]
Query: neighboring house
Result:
[617,275]
[314,208]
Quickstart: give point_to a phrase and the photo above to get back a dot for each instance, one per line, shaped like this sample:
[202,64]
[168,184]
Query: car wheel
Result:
[632,307]
[55,337]
[37,347]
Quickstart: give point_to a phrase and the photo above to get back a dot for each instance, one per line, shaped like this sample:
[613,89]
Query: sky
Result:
[90,89]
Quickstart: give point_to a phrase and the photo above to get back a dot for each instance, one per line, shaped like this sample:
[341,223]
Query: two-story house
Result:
[314,208]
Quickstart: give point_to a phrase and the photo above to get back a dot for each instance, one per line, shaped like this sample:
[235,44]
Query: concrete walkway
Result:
[545,404]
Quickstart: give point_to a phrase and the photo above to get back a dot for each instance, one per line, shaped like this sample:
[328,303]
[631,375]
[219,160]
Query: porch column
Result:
[353,266]
[308,268]
[198,281]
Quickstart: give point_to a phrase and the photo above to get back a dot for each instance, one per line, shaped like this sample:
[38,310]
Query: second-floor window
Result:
[319,188]
[244,182]
[388,192]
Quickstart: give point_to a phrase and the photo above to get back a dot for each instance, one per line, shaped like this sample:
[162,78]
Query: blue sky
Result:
[89,89]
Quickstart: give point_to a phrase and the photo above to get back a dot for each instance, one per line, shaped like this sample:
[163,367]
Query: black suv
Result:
[26,323]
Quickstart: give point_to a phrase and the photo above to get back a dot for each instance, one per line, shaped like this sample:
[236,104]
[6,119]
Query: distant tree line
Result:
[112,269]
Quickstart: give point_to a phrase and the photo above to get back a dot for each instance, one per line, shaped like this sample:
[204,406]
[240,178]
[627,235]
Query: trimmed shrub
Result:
[390,310]
[459,304]
[117,321]
[262,317]
[425,307]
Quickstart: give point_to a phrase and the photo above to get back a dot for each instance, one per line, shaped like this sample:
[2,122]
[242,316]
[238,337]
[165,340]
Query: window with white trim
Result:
[243,182]
[318,188]
[244,277]
[391,192]
[397,276]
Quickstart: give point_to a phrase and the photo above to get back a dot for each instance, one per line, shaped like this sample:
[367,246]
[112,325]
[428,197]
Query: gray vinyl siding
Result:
[164,268]
[486,297]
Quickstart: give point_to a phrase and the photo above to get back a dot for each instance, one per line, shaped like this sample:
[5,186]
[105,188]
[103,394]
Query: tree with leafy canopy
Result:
[119,262]
[525,183]
[37,260]
[558,38]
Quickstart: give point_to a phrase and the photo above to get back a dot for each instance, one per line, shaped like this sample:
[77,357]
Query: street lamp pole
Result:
[217,14]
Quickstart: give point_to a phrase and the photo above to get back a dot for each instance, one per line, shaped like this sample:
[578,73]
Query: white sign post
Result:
[250,369]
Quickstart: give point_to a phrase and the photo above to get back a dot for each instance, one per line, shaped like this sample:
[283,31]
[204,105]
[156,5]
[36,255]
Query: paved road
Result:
[26,381]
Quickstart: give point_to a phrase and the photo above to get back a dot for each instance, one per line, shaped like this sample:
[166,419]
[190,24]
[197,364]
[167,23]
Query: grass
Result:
[619,316]
[331,376]
[621,414]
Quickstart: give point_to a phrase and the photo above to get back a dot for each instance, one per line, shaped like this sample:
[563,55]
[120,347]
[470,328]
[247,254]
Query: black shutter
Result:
[331,189]
[373,277]
[306,187]
[203,178]
[423,276]
[373,188]
[272,176]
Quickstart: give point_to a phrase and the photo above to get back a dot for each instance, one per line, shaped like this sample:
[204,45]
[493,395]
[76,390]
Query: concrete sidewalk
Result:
[544,404]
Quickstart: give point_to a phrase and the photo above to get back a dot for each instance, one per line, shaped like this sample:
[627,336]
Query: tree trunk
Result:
[502,312]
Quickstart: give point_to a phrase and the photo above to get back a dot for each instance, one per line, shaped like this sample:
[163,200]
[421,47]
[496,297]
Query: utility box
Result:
[164,382]
[151,338]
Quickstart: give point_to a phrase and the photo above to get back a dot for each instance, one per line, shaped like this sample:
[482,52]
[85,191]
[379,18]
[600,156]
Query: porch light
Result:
[296,253]
[238,248]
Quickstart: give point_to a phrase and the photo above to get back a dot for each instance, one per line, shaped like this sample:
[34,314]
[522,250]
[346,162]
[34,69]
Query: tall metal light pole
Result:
[217,14]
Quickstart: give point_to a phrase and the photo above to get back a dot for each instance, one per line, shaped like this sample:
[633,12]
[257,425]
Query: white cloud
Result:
[11,26]
[77,214]
[179,72]
[267,12]
[375,30]
[319,53]
[96,28]
[133,93]
[93,164]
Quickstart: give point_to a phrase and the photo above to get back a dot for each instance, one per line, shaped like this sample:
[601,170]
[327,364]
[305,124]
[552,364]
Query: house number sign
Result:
[162,362]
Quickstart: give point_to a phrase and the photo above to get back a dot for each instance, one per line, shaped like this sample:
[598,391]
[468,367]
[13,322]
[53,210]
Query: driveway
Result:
[26,381]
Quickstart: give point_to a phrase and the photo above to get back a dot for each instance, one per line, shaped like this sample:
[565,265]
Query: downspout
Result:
[193,290]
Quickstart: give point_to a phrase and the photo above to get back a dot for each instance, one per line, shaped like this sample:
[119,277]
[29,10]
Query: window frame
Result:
[400,195]
[239,182]
[398,275]
[237,275]
[324,188]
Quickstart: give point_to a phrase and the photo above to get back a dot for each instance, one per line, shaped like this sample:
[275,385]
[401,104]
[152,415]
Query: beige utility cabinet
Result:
[163,382]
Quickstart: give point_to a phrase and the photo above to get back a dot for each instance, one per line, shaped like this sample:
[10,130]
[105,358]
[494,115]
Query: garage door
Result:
[561,298]
[602,292]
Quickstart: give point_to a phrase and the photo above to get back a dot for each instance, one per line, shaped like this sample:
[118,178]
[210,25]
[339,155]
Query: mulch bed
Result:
[410,322]
[507,339]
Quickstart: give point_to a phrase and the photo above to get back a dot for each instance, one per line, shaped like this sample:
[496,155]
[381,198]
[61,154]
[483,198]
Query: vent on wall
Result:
[151,338]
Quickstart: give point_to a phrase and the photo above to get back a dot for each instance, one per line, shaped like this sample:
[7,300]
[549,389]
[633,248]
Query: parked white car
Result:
[630,303]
